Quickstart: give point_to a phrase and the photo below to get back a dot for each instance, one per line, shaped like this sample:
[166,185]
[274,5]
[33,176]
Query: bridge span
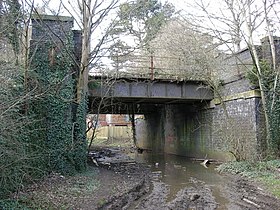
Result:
[118,93]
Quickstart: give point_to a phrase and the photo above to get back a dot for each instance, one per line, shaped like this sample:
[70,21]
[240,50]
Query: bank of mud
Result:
[153,194]
[115,181]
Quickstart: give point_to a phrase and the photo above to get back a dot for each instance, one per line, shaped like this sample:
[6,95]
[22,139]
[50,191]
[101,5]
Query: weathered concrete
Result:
[149,133]
[179,131]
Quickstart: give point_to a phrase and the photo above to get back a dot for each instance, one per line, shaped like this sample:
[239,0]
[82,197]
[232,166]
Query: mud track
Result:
[117,182]
[153,195]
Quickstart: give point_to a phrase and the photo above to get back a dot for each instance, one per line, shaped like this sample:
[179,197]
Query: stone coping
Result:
[243,95]
[52,17]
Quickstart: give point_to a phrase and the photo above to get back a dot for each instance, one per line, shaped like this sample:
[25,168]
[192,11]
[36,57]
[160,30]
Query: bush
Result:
[16,155]
[11,205]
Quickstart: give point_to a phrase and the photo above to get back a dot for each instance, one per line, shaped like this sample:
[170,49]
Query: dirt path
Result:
[240,193]
[188,198]
[120,183]
[246,195]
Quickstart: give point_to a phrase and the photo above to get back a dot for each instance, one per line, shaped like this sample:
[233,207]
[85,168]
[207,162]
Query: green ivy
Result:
[80,145]
[272,97]
[11,205]
[62,135]
[267,75]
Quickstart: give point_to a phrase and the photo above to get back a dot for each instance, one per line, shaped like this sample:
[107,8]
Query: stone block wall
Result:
[237,84]
[238,124]
[237,129]
[51,28]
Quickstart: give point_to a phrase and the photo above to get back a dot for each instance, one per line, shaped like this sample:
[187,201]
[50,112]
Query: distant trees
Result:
[142,20]
[179,49]
[137,23]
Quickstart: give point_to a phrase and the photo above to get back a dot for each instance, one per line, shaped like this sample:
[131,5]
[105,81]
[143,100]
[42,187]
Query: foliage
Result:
[17,155]
[54,109]
[40,132]
[267,75]
[143,19]
[139,21]
[235,167]
[11,204]
[79,135]
[273,102]
[264,171]
[10,16]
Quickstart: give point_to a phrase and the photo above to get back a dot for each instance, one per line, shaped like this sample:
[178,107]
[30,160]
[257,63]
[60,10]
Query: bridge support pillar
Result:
[149,131]
[170,130]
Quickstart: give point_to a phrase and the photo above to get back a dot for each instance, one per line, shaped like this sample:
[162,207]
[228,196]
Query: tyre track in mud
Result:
[148,193]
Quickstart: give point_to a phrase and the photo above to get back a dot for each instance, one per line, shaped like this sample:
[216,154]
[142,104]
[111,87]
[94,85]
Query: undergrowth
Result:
[266,172]
[11,205]
[54,192]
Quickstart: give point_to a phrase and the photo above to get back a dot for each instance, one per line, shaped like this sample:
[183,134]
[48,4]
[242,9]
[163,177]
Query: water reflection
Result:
[179,172]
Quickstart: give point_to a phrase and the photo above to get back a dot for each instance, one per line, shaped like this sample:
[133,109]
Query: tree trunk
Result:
[83,74]
[256,61]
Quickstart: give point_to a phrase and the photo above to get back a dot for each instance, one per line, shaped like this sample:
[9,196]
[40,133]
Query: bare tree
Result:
[247,18]
[188,53]
[92,14]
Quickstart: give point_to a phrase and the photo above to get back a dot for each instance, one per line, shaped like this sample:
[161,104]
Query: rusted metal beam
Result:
[155,91]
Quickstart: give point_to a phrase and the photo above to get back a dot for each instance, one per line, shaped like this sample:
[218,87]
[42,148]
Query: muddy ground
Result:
[115,181]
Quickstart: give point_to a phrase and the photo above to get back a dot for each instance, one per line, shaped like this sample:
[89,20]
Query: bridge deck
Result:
[140,90]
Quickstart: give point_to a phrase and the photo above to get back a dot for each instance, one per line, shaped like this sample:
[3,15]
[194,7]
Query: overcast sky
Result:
[184,6]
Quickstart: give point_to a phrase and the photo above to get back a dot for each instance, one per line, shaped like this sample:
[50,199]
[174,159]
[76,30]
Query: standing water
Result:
[179,172]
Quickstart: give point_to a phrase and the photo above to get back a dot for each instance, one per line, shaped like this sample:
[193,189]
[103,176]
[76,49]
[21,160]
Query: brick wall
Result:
[238,131]
[51,28]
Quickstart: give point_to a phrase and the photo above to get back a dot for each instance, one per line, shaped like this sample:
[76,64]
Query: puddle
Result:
[178,172]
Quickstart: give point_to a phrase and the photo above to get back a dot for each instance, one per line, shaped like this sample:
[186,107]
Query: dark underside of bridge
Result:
[139,106]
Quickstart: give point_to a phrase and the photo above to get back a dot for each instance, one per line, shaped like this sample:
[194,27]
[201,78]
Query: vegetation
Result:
[64,148]
[188,54]
[41,132]
[43,94]
[17,154]
[142,20]
[137,23]
[55,192]
[265,172]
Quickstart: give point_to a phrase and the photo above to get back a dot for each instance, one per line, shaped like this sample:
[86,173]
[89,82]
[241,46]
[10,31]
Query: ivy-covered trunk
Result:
[79,133]
[270,103]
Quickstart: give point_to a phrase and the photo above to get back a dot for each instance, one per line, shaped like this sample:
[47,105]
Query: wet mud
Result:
[152,194]
[117,182]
